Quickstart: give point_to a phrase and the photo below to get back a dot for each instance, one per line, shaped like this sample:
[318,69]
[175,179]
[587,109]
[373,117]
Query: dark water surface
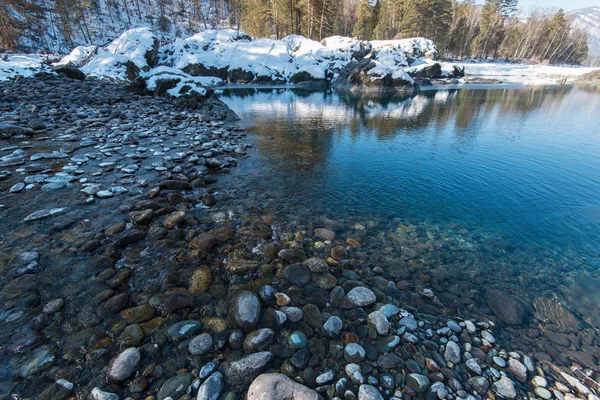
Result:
[494,187]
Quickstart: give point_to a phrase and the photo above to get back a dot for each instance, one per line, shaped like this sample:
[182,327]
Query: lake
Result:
[456,190]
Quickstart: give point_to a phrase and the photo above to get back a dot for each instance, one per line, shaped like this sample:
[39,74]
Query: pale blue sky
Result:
[527,5]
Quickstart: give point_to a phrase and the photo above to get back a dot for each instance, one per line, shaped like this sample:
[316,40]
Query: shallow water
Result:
[502,182]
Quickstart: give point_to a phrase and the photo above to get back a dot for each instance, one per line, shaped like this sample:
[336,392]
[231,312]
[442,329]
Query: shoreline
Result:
[191,290]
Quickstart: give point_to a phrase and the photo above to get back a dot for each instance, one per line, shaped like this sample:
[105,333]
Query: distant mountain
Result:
[588,20]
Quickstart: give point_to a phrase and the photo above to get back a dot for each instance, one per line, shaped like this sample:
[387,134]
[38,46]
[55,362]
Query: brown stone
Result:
[138,314]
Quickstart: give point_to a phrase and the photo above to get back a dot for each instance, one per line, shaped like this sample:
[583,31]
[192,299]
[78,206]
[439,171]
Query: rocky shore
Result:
[126,275]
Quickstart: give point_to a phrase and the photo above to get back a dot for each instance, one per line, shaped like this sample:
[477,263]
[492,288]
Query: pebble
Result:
[359,297]
[368,392]
[333,326]
[200,344]
[499,361]
[297,340]
[419,383]
[124,365]
[354,353]
[211,388]
[505,388]
[452,352]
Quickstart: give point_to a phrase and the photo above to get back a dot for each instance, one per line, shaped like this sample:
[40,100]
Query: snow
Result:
[166,73]
[25,65]
[524,74]
[133,44]
[413,47]
[78,56]
[110,62]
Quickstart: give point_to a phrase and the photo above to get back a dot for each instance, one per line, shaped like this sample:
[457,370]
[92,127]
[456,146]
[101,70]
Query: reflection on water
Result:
[519,161]
[463,189]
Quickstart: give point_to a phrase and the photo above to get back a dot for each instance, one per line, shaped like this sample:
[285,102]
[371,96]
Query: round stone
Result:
[124,365]
[297,340]
[200,344]
[333,326]
[419,383]
[354,353]
[359,297]
[499,361]
[543,393]
[245,310]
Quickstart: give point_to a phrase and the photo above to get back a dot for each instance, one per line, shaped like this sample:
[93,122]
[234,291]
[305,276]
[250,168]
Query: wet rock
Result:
[130,237]
[277,387]
[292,255]
[379,321]
[297,274]
[368,392]
[505,388]
[419,383]
[177,301]
[132,335]
[479,384]
[98,394]
[211,388]
[41,358]
[452,352]
[297,340]
[205,242]
[354,353]
[315,264]
[241,266]
[183,330]
[333,327]
[173,219]
[389,361]
[259,340]
[517,369]
[324,234]
[124,365]
[138,314]
[201,280]
[42,214]
[339,253]
[59,390]
[244,310]
[200,344]
[242,372]
[358,297]
[175,386]
[509,309]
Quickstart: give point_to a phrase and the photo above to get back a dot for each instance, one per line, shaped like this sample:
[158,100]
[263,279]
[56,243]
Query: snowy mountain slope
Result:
[588,20]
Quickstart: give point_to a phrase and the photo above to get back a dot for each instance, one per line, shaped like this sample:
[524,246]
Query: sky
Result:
[527,5]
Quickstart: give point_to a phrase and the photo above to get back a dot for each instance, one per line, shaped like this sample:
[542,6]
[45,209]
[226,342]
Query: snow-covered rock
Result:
[134,51]
[369,75]
[213,57]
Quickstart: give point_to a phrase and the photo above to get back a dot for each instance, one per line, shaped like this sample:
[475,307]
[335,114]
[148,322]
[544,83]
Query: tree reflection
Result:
[300,126]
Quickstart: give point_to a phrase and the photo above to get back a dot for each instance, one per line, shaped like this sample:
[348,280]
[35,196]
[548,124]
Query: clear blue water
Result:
[521,163]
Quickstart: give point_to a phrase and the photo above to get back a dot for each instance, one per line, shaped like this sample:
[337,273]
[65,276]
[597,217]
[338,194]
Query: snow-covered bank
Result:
[525,74]
[217,57]
[229,56]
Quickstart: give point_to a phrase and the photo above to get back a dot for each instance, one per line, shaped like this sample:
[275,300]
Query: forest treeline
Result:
[461,29]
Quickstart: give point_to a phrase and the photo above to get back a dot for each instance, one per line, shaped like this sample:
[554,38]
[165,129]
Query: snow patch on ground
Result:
[524,74]
[25,65]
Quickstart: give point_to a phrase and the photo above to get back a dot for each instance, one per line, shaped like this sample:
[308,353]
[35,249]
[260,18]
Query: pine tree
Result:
[366,20]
